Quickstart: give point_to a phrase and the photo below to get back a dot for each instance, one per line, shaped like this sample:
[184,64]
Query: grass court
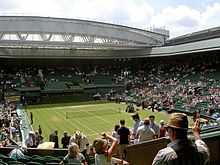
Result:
[91,118]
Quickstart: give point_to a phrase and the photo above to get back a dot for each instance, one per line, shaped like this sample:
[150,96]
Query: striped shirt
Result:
[193,155]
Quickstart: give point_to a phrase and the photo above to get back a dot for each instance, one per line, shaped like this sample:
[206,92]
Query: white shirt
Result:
[83,142]
[145,133]
[29,142]
[101,159]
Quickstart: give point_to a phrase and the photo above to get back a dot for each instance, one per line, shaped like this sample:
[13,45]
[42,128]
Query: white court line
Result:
[88,111]
[68,108]
[72,107]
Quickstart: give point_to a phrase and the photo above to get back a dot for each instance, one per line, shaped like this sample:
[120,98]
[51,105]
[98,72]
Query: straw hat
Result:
[178,121]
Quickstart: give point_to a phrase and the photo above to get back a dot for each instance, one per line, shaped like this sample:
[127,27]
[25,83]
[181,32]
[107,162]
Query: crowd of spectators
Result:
[160,84]
[33,139]
[9,124]
[110,149]
[185,86]
[80,150]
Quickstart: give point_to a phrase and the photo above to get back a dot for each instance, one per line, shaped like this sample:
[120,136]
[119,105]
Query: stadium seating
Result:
[175,86]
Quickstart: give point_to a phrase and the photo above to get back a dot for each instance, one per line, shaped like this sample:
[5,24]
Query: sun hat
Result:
[162,121]
[31,132]
[178,121]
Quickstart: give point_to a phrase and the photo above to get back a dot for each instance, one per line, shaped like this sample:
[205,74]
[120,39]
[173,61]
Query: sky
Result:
[178,16]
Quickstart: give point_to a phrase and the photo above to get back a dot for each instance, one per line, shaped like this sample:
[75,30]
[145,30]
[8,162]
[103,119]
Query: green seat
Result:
[60,157]
[25,159]
[7,159]
[37,158]
[33,163]
[48,159]
[15,163]
[52,163]
[3,156]
[3,163]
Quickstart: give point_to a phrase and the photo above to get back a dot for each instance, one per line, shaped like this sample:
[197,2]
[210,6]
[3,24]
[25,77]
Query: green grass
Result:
[90,118]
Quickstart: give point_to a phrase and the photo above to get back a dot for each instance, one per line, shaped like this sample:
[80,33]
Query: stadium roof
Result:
[47,32]
[42,53]
[40,37]
[195,36]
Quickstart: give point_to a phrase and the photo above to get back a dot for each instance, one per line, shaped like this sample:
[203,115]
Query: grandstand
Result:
[48,69]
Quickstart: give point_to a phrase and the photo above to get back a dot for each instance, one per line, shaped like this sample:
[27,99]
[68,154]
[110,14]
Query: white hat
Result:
[31,132]
[162,122]
[78,133]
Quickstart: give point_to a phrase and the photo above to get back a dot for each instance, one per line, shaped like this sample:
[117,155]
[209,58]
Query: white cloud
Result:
[183,19]
[129,12]
[210,17]
[179,20]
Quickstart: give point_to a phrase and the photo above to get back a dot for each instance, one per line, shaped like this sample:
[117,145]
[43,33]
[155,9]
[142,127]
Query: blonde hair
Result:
[73,150]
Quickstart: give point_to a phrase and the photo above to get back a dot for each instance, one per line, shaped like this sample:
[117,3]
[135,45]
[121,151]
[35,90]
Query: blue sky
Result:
[178,16]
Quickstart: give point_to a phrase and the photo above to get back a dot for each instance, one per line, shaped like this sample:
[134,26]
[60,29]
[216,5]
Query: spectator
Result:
[54,138]
[144,132]
[91,155]
[18,153]
[65,140]
[181,150]
[137,123]
[39,130]
[82,141]
[12,131]
[38,138]
[124,134]
[154,126]
[103,154]
[162,129]
[115,132]
[30,140]
[130,108]
[51,137]
[91,151]
[74,156]
[31,116]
